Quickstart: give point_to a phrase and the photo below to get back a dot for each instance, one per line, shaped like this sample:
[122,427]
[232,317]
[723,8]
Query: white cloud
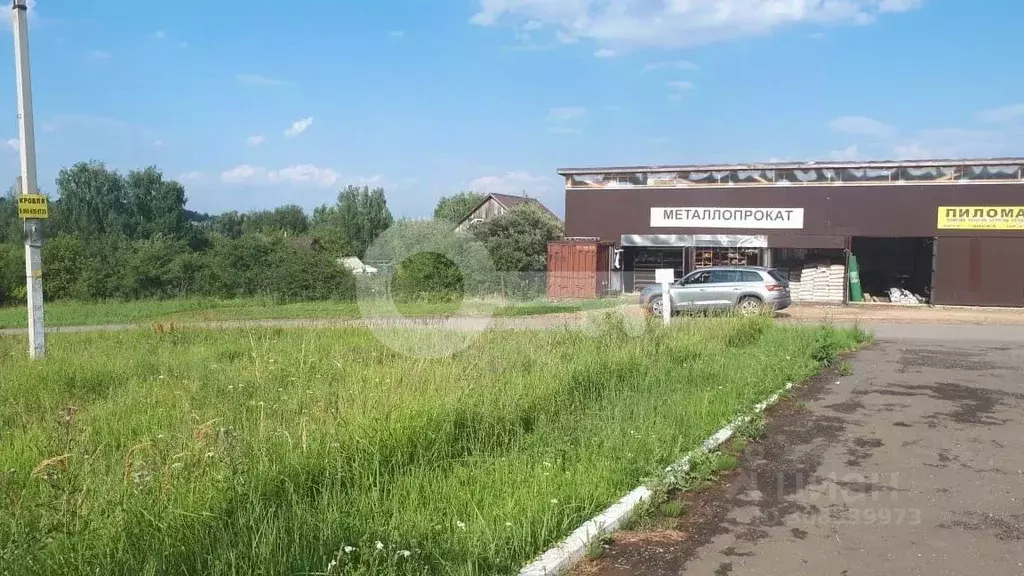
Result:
[298,127]
[848,154]
[676,65]
[396,34]
[564,130]
[99,55]
[243,173]
[297,174]
[255,140]
[509,183]
[664,23]
[899,5]
[13,143]
[961,143]
[260,80]
[306,173]
[887,142]
[192,176]
[605,53]
[862,126]
[566,113]
[1001,114]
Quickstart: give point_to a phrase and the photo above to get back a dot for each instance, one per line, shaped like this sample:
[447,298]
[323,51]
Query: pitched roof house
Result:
[497,204]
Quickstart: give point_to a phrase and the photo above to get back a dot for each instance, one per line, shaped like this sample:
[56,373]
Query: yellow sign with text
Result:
[981,218]
[33,206]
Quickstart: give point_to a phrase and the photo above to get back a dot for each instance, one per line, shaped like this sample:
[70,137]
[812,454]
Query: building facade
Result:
[950,231]
[494,205]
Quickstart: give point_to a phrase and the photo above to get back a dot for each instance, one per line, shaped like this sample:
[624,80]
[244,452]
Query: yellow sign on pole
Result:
[33,206]
[981,218]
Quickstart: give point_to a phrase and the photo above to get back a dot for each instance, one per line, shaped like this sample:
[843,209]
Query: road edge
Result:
[565,554]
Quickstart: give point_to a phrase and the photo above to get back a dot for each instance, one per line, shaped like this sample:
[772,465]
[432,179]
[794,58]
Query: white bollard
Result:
[665,277]
[666,304]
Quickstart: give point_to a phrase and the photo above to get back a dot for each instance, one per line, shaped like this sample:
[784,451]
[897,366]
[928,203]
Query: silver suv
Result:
[748,289]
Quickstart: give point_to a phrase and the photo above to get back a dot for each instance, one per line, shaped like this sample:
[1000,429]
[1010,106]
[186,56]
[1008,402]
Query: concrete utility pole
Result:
[29,189]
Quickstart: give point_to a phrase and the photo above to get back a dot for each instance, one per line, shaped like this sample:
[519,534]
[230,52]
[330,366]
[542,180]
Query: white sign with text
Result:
[700,217]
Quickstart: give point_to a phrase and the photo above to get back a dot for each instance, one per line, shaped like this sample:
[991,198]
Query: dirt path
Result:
[885,318]
[890,314]
[914,464]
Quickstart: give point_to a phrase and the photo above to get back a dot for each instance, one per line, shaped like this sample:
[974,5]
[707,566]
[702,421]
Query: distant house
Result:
[496,205]
[356,266]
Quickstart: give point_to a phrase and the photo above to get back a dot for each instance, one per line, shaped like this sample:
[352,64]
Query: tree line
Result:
[131,236]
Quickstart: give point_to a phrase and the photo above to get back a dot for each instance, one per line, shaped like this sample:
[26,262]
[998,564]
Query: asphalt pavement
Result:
[913,463]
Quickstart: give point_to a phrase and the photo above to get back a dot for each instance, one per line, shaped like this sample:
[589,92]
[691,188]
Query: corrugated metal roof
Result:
[825,165]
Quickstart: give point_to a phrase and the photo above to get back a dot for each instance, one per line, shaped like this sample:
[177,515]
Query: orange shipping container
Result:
[578,269]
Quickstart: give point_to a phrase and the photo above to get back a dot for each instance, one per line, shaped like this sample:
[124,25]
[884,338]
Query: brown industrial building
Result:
[949,231]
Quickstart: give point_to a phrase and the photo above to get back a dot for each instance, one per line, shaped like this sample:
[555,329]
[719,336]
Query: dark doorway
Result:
[640,262]
[887,263]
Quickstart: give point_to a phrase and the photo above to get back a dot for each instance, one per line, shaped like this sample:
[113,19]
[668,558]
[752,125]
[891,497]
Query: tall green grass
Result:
[320,451]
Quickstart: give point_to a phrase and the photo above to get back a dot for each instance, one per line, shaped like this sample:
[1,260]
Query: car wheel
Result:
[749,306]
[655,306]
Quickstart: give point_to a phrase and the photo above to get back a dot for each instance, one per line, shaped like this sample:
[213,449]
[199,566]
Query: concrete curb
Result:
[566,553]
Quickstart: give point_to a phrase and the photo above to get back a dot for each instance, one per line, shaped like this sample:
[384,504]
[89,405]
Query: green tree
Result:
[64,259]
[261,265]
[518,244]
[152,269]
[457,206]
[154,206]
[11,228]
[12,274]
[362,215]
[325,226]
[92,201]
[228,224]
[289,220]
[433,261]
[428,276]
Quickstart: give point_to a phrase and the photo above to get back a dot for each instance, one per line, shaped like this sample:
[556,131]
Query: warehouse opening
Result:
[814,275]
[639,264]
[897,270]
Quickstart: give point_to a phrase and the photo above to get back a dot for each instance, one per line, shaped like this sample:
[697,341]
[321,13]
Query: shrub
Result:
[427,276]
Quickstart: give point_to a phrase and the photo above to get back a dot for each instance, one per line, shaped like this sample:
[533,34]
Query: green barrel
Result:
[856,292]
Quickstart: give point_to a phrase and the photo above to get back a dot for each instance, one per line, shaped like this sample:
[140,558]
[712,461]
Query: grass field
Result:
[63,313]
[306,451]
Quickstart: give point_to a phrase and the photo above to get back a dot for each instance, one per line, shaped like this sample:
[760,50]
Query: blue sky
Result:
[259,103]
